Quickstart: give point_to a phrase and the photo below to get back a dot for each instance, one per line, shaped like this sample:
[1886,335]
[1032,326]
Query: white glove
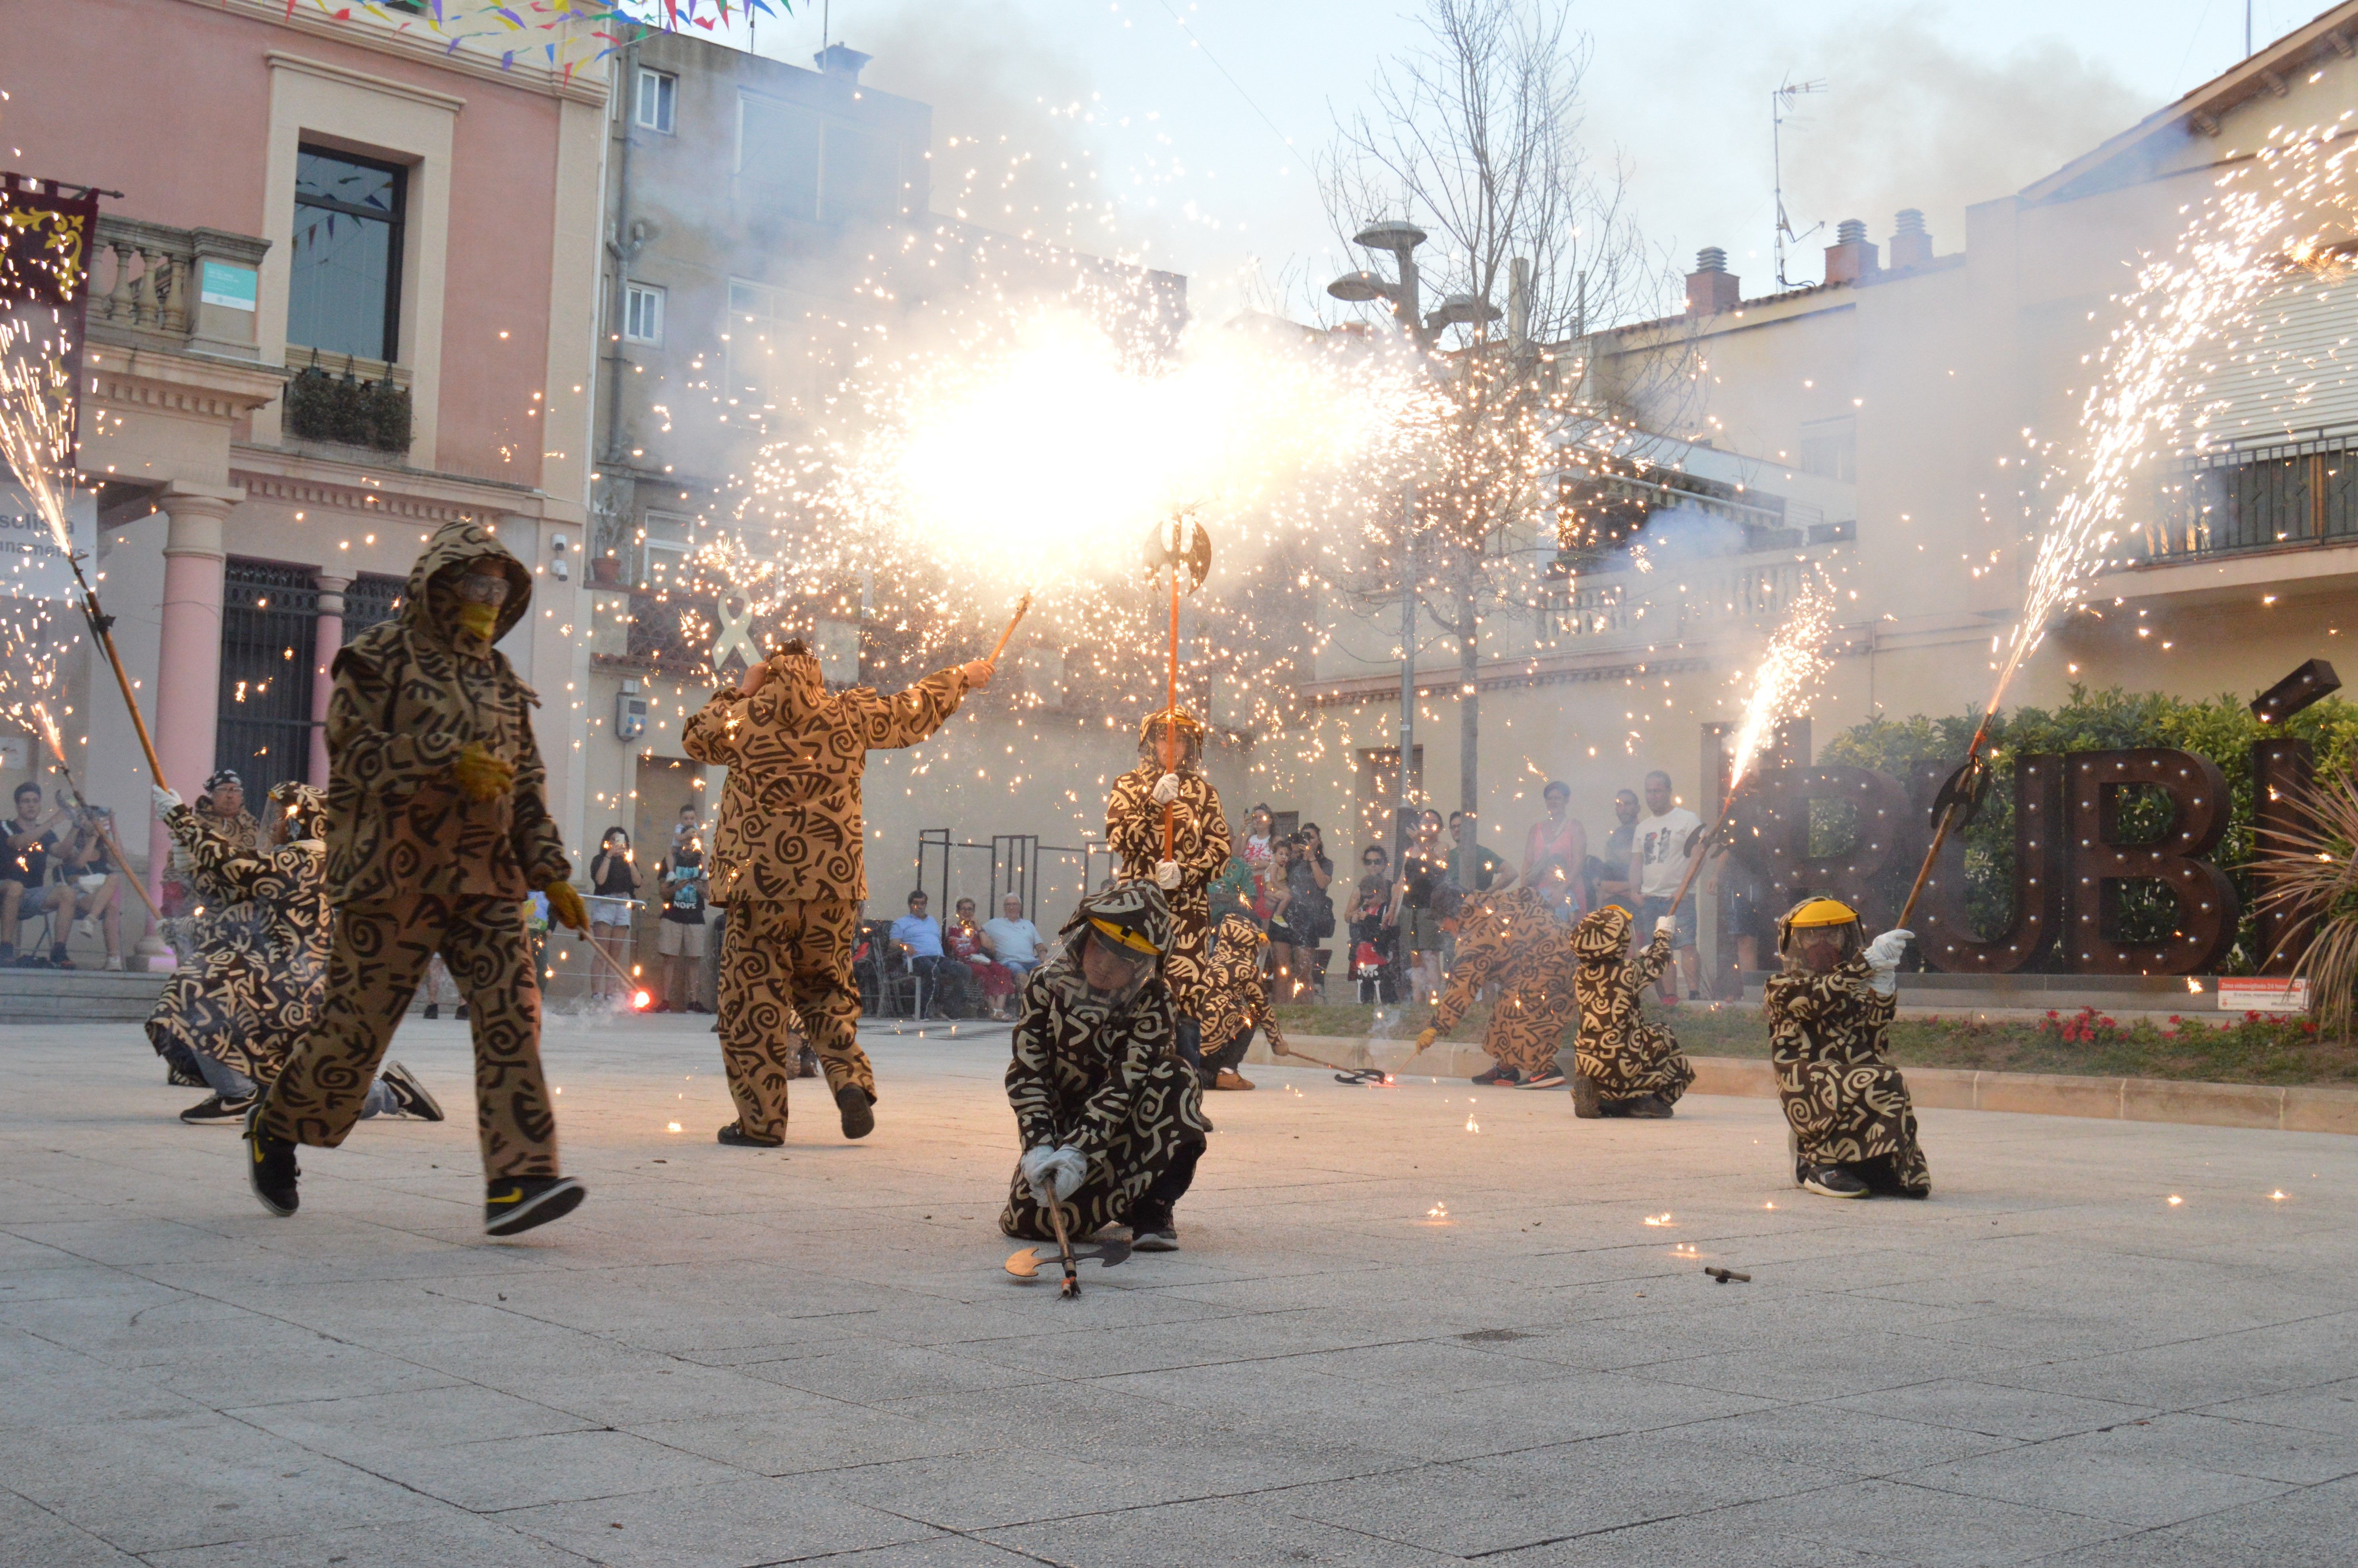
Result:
[1667,926]
[1166,789]
[1166,875]
[1035,1166]
[1066,1166]
[1883,956]
[165,800]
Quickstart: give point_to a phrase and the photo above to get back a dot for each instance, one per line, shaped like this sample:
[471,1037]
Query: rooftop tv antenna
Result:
[1780,105]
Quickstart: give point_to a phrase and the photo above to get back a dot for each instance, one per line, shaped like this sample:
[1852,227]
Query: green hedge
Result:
[2221,729]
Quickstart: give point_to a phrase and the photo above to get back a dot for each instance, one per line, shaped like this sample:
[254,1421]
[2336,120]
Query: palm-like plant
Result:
[2309,868]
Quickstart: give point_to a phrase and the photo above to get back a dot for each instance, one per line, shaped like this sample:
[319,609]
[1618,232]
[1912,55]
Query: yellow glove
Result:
[481,775]
[1425,1040]
[565,908]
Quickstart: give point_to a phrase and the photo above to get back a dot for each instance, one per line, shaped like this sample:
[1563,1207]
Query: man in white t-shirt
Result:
[1658,863]
[1011,939]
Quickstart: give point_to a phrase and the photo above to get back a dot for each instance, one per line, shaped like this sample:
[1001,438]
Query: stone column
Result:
[326,637]
[187,695]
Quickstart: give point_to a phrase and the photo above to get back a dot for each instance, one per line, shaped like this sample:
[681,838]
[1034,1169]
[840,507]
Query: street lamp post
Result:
[1402,240]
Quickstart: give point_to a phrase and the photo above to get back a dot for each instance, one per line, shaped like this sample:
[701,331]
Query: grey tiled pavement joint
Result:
[1390,1338]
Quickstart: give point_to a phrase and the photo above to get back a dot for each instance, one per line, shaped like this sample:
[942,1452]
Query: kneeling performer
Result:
[1511,940]
[1236,1002]
[233,1016]
[1625,1066]
[1853,1124]
[1112,1120]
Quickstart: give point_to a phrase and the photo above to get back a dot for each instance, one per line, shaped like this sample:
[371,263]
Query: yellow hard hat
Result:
[1136,941]
[1821,912]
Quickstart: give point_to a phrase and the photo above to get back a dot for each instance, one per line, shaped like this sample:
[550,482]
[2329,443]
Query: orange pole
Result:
[1171,722]
[1941,831]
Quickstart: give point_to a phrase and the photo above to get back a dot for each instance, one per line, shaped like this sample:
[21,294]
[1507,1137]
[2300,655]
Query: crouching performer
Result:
[232,1018]
[1511,940]
[786,865]
[1112,1120]
[1624,1065]
[437,830]
[1853,1126]
[1170,778]
[1236,1002]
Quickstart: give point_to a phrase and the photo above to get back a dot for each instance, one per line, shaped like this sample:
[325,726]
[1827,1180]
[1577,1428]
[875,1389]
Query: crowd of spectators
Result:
[60,867]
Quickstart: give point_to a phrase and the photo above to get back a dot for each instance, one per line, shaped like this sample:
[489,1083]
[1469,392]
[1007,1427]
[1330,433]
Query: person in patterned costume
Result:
[200,920]
[1199,852]
[1111,1118]
[1512,940]
[1236,997]
[786,866]
[1623,1066]
[231,1018]
[1853,1126]
[438,832]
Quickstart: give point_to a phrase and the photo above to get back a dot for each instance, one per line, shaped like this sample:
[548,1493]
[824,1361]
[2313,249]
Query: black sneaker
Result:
[734,1134]
[1548,1077]
[1584,1099]
[1497,1075]
[858,1110]
[461,1014]
[270,1167]
[212,1108]
[518,1202]
[433,1009]
[1648,1107]
[1833,1181]
[1153,1235]
[409,1097]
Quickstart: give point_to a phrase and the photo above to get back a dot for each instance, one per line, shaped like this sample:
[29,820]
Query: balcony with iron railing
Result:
[2293,495]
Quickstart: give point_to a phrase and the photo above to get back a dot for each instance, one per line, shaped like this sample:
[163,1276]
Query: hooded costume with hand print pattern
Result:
[787,865]
[417,866]
[1513,940]
[1099,1072]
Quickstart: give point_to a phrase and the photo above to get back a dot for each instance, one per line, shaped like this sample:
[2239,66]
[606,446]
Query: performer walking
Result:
[1199,852]
[788,867]
[438,829]
[1236,994]
[1514,941]
[1622,1065]
[231,1018]
[1853,1125]
[1112,1120]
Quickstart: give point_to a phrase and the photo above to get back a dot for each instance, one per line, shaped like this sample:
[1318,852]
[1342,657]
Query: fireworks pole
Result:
[101,627]
[1021,606]
[1962,793]
[50,738]
[639,997]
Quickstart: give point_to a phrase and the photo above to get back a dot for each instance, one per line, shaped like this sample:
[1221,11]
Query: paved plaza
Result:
[1409,1326]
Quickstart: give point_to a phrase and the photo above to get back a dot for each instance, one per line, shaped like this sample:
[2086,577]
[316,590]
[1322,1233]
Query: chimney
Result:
[1851,258]
[1910,246]
[838,61]
[1710,287]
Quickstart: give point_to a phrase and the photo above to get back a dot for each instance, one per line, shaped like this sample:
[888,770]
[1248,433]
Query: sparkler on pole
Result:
[1021,606]
[1186,548]
[1793,664]
[640,996]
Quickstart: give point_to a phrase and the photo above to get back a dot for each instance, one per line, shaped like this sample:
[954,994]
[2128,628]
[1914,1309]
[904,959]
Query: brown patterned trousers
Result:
[378,953]
[784,961]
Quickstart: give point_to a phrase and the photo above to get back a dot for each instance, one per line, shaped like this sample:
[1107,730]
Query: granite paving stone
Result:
[1388,1339]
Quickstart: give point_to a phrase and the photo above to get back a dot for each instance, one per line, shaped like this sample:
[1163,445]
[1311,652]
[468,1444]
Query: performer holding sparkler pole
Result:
[1163,817]
[787,865]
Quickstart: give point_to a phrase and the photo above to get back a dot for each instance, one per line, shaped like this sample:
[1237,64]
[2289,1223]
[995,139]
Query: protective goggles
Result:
[480,587]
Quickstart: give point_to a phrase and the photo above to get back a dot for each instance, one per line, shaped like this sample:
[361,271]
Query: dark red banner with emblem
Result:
[47,229]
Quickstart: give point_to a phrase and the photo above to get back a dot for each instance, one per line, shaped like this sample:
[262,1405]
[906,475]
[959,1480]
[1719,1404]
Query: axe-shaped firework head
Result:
[1964,792]
[1180,544]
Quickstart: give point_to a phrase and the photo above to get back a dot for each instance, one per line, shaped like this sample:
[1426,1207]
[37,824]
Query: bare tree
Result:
[1475,136]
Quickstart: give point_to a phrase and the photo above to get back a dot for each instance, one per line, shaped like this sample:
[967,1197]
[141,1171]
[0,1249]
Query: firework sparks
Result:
[1790,669]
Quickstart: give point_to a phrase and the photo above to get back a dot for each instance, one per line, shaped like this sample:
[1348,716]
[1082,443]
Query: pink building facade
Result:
[349,293]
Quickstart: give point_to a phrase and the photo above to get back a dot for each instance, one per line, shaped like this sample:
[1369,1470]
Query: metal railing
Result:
[2285,496]
[1671,603]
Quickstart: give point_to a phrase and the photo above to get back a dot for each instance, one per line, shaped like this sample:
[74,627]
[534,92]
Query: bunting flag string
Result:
[589,30]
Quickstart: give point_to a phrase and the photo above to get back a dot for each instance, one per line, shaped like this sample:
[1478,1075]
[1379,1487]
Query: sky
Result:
[1203,120]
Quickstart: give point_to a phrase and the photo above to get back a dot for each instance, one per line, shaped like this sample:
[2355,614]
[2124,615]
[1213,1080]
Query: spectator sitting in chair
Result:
[90,866]
[26,889]
[1011,940]
[917,937]
[968,944]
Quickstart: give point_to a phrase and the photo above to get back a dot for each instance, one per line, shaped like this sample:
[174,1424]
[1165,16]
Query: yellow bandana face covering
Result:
[482,620]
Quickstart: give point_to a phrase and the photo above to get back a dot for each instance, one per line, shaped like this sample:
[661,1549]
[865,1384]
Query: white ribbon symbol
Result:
[736,634]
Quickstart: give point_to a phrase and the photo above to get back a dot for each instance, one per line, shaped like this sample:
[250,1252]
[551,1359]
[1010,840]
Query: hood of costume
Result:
[1818,914]
[410,694]
[1603,935]
[792,827]
[1138,910]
